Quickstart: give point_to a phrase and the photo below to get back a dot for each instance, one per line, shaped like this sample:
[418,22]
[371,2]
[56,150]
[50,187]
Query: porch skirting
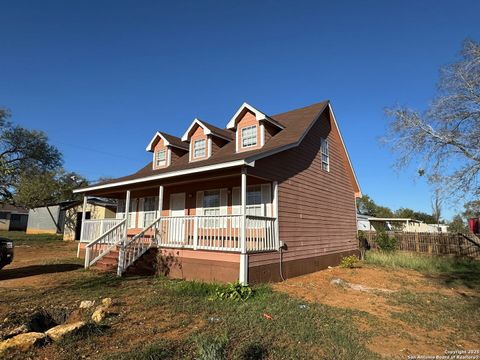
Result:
[198,265]
[271,272]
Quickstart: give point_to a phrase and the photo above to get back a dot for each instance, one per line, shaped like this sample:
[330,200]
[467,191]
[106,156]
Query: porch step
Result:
[108,263]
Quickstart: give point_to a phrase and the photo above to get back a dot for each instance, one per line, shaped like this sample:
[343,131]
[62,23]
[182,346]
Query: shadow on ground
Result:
[17,273]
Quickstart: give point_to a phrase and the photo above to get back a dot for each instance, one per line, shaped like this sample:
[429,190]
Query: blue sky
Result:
[100,77]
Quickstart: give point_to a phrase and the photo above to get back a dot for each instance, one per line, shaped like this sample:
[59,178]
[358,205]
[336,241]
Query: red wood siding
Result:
[316,207]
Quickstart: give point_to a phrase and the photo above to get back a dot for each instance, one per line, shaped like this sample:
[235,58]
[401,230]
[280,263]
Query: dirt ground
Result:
[40,266]
[399,338]
[387,334]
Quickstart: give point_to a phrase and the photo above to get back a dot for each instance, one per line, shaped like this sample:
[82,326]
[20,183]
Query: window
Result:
[325,156]
[161,158]
[254,200]
[3,215]
[149,211]
[249,136]
[211,207]
[199,148]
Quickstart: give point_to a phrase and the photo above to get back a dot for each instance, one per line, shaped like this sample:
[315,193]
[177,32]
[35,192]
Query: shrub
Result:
[386,242]
[350,262]
[234,291]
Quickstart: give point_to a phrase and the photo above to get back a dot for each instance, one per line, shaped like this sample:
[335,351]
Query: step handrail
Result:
[134,248]
[97,241]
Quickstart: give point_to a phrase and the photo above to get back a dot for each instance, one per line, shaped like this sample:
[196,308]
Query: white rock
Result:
[23,342]
[86,304]
[107,302]
[57,332]
[99,314]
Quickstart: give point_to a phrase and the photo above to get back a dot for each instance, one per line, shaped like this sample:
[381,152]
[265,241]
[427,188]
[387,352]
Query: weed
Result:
[233,291]
[350,262]
[212,348]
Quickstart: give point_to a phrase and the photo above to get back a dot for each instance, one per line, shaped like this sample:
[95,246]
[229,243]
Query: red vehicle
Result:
[474,225]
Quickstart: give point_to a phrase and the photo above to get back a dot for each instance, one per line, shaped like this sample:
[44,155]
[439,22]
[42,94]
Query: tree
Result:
[457,225]
[437,206]
[41,189]
[472,209]
[366,206]
[444,139]
[22,151]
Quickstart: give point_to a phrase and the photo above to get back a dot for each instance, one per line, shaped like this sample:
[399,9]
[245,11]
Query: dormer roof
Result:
[169,140]
[259,115]
[208,129]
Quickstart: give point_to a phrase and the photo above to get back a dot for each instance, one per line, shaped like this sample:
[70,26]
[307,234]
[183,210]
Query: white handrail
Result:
[134,248]
[104,243]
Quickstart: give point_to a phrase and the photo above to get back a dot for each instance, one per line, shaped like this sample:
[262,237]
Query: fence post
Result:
[417,242]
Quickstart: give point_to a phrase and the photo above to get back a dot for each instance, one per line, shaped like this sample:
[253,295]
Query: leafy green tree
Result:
[22,151]
[457,225]
[41,189]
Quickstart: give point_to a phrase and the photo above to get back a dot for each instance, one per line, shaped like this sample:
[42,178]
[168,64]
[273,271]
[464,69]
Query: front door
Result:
[176,228]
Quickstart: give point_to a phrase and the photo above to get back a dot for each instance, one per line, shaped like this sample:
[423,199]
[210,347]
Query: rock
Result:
[99,314]
[339,282]
[58,332]
[86,304]
[22,329]
[107,302]
[23,342]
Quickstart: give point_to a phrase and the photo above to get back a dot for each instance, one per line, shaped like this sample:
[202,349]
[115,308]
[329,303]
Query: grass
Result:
[455,271]
[22,238]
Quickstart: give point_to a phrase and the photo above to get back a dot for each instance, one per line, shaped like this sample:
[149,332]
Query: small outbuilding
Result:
[13,218]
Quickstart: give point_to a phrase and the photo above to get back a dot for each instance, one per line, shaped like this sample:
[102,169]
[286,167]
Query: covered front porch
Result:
[226,213]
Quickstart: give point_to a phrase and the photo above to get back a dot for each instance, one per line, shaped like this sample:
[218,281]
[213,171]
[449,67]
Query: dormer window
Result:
[249,136]
[199,149]
[161,158]
[165,149]
[252,128]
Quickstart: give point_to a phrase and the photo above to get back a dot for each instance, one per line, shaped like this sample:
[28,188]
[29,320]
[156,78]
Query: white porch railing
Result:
[137,246]
[101,246]
[221,233]
[93,229]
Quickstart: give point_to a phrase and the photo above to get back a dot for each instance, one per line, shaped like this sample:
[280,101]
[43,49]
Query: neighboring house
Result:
[96,211]
[369,223]
[265,198]
[13,218]
[63,217]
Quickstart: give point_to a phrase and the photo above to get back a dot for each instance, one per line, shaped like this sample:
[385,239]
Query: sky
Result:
[101,77]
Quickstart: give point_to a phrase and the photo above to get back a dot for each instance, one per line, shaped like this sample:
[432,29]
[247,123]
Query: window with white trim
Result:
[149,210]
[161,158]
[211,207]
[249,136]
[199,148]
[254,200]
[325,155]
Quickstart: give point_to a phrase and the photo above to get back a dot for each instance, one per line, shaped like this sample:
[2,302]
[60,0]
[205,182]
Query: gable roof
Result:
[296,125]
[208,129]
[258,115]
[169,140]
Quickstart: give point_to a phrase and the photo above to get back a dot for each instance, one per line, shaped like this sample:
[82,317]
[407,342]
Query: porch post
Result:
[243,231]
[160,208]
[121,253]
[84,210]
[275,214]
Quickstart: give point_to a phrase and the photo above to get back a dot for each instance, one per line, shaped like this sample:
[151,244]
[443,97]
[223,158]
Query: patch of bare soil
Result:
[39,266]
[399,338]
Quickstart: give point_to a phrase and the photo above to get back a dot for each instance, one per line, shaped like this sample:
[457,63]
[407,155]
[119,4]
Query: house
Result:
[370,223]
[13,218]
[65,217]
[265,198]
